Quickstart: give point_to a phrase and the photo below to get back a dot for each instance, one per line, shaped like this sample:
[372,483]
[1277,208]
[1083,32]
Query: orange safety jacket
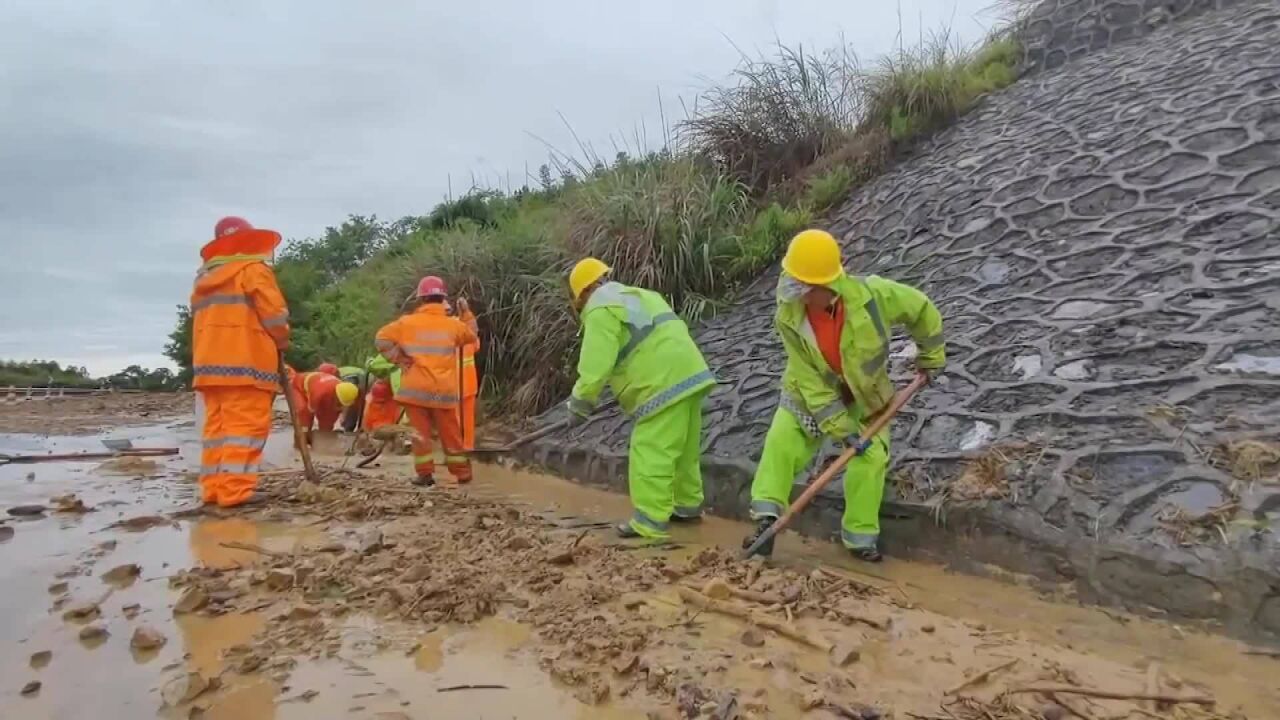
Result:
[425,343]
[316,391]
[378,413]
[240,321]
[470,377]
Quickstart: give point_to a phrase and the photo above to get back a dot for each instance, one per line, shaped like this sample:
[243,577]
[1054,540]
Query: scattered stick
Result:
[452,688]
[787,630]
[1205,700]
[1263,652]
[1153,684]
[876,623]
[981,677]
[1072,708]
[233,545]
[751,595]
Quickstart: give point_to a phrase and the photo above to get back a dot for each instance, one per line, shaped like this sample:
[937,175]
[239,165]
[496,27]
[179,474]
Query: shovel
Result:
[864,441]
[299,437]
[130,452]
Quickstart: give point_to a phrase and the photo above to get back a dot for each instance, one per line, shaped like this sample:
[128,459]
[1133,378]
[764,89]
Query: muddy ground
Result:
[360,596]
[78,415]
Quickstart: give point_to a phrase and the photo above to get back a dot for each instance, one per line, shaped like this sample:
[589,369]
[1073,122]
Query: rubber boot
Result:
[686,518]
[766,550]
[871,555]
[424,481]
[625,531]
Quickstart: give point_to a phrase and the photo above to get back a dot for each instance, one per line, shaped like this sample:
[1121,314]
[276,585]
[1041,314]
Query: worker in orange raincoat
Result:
[240,324]
[319,398]
[470,384]
[380,408]
[425,343]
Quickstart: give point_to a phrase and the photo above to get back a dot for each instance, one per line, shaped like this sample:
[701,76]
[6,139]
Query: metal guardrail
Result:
[14,393]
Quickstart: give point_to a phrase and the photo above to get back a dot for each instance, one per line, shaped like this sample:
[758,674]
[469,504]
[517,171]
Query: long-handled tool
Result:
[134,452]
[538,434]
[298,436]
[864,441]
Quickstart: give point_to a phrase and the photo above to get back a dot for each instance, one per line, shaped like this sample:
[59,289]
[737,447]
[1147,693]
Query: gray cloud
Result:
[129,128]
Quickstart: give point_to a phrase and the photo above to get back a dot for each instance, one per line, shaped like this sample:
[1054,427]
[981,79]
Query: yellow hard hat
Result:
[347,393]
[813,258]
[585,274]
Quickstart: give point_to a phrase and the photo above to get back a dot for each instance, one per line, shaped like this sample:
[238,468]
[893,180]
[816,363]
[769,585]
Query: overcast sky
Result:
[128,128]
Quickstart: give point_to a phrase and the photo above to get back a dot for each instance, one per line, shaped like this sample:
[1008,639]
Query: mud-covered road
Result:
[363,597]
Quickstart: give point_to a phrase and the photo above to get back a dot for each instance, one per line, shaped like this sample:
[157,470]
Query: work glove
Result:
[463,307]
[930,374]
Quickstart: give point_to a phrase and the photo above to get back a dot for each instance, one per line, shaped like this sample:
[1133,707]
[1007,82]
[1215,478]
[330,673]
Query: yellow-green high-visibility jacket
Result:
[872,306]
[381,367]
[633,341]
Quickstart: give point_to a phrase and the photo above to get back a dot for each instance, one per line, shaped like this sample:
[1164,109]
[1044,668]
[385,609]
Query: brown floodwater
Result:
[367,678]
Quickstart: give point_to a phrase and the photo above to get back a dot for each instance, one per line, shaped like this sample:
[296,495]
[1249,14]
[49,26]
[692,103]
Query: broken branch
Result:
[233,545]
[787,630]
[981,677]
[451,688]
[1205,700]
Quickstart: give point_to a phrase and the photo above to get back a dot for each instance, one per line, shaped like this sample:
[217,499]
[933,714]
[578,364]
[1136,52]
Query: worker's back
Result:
[431,340]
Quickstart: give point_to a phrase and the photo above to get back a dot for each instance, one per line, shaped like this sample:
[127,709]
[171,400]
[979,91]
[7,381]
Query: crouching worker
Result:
[633,341]
[835,330]
[380,409]
[319,399]
[425,343]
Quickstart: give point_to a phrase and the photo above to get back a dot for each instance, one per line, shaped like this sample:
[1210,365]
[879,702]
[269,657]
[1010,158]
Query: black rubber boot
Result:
[424,481]
[766,550]
[686,518]
[871,555]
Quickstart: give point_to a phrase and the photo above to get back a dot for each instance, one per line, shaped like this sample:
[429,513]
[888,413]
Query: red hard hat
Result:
[328,369]
[230,224]
[431,286]
[381,390]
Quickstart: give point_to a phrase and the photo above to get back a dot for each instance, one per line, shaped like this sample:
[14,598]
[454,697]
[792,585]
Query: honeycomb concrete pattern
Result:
[1104,243]
[1059,31]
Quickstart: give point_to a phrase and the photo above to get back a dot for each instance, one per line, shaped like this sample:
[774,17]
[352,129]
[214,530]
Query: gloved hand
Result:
[574,418]
[930,374]
[854,442]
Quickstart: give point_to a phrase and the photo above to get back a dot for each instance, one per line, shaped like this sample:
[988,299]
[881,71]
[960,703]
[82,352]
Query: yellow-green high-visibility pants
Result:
[788,449]
[665,466]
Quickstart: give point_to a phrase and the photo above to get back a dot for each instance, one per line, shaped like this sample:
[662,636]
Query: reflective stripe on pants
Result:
[237,421]
[445,422]
[788,449]
[665,465]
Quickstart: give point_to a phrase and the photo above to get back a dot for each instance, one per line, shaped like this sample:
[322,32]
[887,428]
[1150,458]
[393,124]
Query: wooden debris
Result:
[1205,700]
[693,597]
[981,677]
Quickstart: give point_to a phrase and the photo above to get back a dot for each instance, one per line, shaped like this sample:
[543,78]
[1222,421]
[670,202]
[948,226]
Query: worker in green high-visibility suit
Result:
[633,341]
[835,330]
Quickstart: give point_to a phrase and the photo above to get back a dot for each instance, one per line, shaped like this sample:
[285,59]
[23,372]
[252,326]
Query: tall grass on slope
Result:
[779,115]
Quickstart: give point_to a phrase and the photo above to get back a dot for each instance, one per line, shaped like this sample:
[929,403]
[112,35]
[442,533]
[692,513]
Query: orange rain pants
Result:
[445,421]
[470,389]
[237,420]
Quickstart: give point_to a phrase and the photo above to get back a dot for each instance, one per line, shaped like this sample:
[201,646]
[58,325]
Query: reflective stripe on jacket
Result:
[430,339]
[872,306]
[240,321]
[316,390]
[635,342]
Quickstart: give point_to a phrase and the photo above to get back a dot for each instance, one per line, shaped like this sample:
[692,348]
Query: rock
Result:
[40,659]
[519,542]
[717,589]
[1053,711]
[370,542]
[142,522]
[633,600]
[57,588]
[249,663]
[751,638]
[131,610]
[192,600]
[89,633]
[846,652]
[814,698]
[6,533]
[70,504]
[31,688]
[759,663]
[31,477]
[107,545]
[562,556]
[302,611]
[726,708]
[27,510]
[626,663]
[280,579]
[82,611]
[183,688]
[417,573]
[927,628]
[147,638]
[122,574]
[301,574]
